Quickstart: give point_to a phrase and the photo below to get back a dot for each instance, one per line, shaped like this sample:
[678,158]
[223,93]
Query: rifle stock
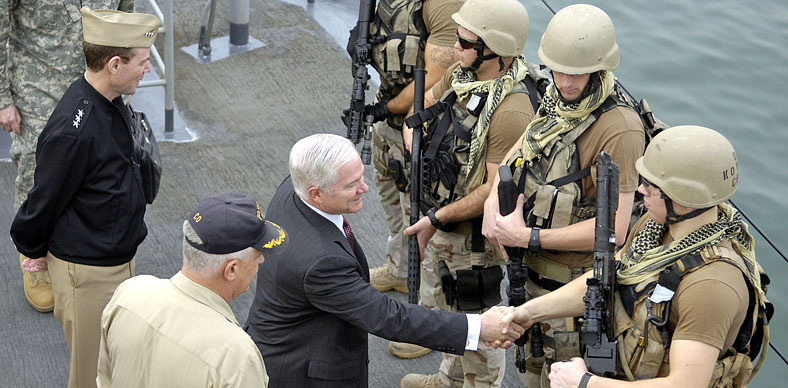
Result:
[597,331]
[359,121]
[414,256]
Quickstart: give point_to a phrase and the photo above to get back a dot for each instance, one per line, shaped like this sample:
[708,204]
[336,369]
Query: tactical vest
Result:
[398,36]
[447,146]
[552,183]
[647,355]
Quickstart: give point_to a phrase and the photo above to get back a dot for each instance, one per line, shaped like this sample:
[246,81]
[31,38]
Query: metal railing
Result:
[165,67]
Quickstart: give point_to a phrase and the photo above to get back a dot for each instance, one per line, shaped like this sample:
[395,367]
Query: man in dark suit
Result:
[314,305]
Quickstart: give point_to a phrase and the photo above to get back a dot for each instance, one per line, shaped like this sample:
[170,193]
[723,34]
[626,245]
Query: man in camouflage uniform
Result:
[44,56]
[393,100]
[391,108]
[475,114]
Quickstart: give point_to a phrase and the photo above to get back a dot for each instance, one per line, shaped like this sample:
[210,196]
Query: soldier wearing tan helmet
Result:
[478,109]
[554,164]
[689,278]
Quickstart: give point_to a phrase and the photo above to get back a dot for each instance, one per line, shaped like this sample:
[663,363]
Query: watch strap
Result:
[534,245]
[584,380]
[433,219]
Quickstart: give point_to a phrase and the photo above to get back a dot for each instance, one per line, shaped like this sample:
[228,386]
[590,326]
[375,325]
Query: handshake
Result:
[502,325]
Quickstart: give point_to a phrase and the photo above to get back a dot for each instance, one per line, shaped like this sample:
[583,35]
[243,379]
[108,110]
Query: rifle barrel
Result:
[414,256]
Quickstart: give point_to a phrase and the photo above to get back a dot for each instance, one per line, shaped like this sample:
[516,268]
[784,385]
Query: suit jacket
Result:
[314,307]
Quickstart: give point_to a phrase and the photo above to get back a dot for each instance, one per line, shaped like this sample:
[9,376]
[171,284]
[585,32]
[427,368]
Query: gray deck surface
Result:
[247,111]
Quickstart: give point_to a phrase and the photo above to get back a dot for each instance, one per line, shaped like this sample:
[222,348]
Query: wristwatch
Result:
[434,220]
[533,243]
[584,380]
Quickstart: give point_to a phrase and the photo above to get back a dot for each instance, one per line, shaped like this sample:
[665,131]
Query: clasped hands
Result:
[509,322]
[497,330]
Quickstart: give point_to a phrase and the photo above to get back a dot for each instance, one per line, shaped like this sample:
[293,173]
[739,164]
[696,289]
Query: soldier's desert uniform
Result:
[427,21]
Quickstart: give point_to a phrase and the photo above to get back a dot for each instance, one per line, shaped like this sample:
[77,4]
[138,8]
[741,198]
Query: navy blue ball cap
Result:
[232,222]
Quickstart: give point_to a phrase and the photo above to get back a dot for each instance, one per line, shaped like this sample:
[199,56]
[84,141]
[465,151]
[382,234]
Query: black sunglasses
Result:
[647,184]
[465,43]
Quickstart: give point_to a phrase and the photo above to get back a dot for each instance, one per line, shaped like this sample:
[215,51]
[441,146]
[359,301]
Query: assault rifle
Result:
[597,331]
[358,121]
[515,269]
[414,256]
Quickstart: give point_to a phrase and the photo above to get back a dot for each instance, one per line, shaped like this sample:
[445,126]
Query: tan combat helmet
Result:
[694,166]
[580,39]
[501,24]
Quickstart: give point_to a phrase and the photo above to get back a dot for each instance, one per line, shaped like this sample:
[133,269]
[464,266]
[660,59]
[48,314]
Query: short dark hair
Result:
[96,56]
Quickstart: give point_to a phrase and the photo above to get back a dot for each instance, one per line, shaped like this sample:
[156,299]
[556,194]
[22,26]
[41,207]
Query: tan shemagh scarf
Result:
[646,257]
[464,84]
[557,118]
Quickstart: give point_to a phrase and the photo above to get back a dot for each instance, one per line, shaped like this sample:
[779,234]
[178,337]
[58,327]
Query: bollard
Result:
[239,22]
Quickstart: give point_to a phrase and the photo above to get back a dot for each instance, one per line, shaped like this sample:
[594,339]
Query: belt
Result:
[546,283]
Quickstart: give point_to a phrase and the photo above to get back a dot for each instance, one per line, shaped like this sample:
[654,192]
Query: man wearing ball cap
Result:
[83,218]
[181,332]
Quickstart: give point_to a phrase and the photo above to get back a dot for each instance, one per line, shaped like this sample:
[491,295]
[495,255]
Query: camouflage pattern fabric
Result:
[485,367]
[23,154]
[567,345]
[44,56]
[387,144]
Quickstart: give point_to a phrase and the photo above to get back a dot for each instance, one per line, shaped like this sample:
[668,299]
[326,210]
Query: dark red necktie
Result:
[348,232]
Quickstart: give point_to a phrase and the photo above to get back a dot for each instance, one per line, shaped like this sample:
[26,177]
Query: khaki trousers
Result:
[387,144]
[485,367]
[81,292]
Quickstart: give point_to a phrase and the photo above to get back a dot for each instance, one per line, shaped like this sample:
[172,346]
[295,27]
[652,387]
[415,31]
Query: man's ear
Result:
[231,268]
[113,65]
[315,194]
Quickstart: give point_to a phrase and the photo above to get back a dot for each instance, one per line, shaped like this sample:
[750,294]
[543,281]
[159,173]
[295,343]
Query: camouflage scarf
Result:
[647,256]
[556,118]
[464,84]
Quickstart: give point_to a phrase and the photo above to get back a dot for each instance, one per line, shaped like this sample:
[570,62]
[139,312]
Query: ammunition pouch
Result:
[474,289]
[553,182]
[397,173]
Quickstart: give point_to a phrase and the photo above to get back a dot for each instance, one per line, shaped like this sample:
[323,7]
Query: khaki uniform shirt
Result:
[438,22]
[174,333]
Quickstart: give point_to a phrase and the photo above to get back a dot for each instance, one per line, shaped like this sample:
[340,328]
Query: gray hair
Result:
[204,263]
[315,159]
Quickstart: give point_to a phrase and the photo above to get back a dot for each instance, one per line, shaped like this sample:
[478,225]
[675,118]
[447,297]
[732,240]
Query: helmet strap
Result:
[480,57]
[591,86]
[672,217]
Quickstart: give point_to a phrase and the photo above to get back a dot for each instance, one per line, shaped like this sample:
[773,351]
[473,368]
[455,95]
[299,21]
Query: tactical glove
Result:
[379,110]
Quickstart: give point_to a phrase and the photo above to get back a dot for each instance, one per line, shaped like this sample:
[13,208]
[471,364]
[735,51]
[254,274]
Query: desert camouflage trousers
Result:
[387,144]
[482,368]
[23,154]
[560,345]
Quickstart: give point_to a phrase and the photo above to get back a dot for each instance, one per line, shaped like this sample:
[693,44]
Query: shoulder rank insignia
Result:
[80,113]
